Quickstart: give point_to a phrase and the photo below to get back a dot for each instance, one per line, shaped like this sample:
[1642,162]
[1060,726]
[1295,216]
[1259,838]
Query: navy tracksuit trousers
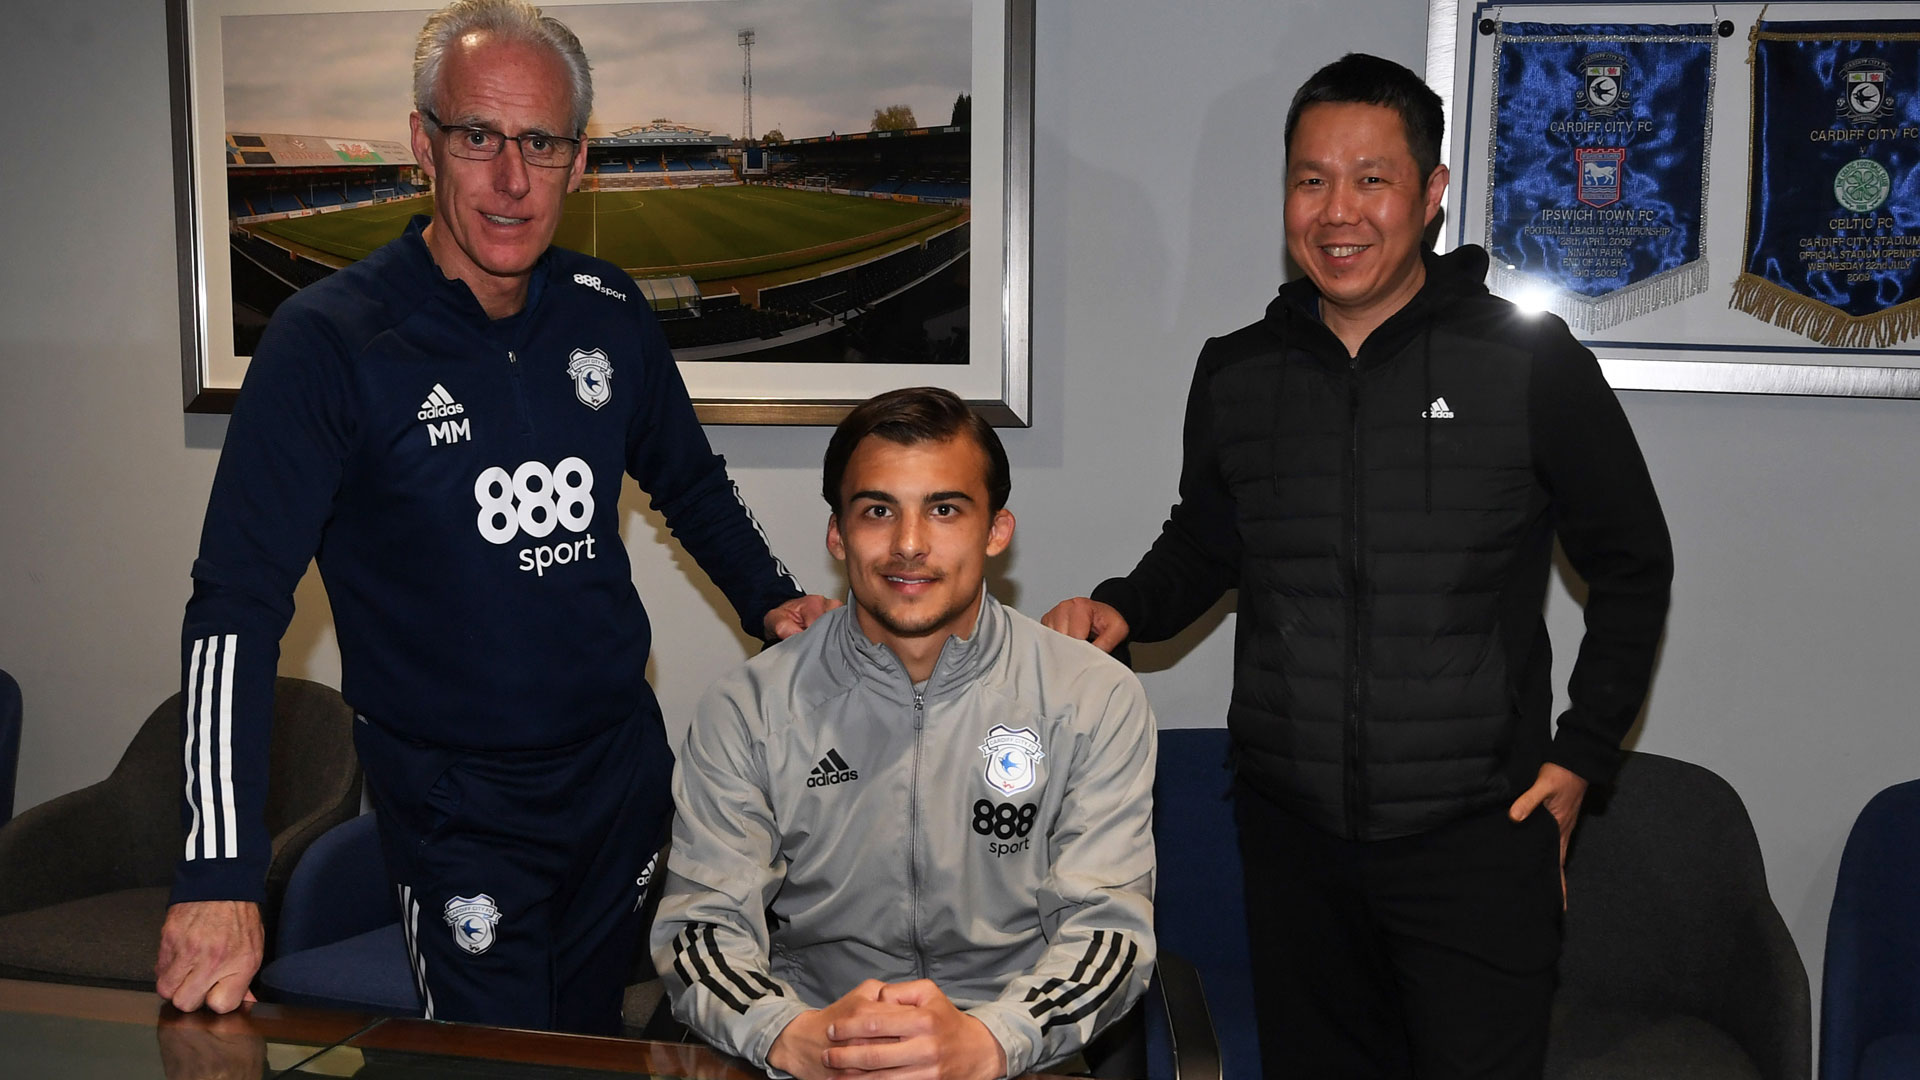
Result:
[520,874]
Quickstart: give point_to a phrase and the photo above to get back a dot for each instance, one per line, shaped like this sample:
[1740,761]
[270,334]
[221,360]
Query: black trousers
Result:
[520,874]
[1426,956]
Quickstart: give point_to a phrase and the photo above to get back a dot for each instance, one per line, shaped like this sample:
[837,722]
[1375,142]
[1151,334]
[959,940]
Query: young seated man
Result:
[918,834]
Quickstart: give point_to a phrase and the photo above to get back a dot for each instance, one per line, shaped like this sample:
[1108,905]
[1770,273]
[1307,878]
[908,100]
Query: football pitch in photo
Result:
[712,234]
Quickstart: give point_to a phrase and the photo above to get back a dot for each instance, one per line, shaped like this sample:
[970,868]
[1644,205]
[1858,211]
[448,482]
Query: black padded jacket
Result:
[1389,521]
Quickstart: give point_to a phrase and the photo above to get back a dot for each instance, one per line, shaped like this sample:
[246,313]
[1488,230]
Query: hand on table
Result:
[209,952]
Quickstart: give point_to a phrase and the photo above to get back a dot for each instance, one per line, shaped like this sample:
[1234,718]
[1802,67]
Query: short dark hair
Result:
[1368,80]
[911,415]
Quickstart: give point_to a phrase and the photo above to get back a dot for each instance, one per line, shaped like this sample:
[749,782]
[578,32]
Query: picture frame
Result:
[1700,343]
[994,377]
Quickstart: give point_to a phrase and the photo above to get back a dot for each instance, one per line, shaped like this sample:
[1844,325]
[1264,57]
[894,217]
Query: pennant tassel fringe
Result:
[1822,322]
[1585,315]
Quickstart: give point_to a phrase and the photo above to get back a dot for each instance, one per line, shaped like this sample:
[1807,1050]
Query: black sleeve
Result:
[272,493]
[1197,556]
[1608,517]
[668,453]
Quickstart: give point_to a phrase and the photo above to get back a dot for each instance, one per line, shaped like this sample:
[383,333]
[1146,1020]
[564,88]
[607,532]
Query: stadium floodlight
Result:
[746,87]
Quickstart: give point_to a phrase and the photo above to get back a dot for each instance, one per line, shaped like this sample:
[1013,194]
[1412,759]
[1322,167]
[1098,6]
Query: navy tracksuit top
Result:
[459,480]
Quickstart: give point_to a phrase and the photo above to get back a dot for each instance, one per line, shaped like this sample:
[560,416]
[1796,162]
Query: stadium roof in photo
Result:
[944,129]
[658,133]
[249,149]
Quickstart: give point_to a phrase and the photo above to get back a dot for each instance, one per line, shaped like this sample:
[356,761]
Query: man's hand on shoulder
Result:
[796,615]
[928,1039]
[1085,619]
[209,952]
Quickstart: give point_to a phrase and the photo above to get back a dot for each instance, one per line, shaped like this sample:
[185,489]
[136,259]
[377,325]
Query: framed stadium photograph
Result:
[1715,197]
[793,185]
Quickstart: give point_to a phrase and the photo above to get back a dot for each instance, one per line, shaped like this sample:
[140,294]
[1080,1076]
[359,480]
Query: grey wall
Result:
[1788,663]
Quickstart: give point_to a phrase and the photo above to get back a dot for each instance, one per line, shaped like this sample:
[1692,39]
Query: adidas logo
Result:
[1438,410]
[833,769]
[439,404]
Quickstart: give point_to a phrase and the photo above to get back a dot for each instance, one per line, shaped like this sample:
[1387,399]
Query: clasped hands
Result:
[906,1031]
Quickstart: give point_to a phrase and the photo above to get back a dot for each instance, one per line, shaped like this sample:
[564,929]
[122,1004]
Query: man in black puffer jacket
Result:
[1380,466]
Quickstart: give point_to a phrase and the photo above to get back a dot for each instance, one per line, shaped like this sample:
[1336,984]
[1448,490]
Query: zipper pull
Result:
[512,359]
[919,709]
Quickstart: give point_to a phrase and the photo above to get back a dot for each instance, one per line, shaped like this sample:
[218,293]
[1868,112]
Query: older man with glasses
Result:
[445,424]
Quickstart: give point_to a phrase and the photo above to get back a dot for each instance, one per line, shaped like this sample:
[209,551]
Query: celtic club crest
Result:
[1862,185]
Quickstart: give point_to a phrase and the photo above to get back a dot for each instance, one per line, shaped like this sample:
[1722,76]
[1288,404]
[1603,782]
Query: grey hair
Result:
[511,20]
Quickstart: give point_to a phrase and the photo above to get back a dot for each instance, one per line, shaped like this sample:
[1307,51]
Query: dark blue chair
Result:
[339,943]
[9,743]
[1870,990]
[1199,1016]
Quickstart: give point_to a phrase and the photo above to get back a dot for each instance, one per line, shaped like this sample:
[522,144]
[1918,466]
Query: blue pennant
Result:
[1596,202]
[1833,203]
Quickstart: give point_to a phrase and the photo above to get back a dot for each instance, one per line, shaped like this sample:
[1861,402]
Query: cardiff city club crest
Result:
[1866,91]
[1013,759]
[1603,84]
[472,919]
[1599,170]
[592,377]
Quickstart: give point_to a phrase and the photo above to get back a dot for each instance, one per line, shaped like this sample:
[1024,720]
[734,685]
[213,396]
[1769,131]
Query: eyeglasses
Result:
[485,144]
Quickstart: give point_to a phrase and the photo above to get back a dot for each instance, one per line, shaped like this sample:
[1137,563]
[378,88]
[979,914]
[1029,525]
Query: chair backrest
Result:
[313,761]
[1199,910]
[1660,865]
[10,712]
[1668,912]
[314,780]
[1871,984]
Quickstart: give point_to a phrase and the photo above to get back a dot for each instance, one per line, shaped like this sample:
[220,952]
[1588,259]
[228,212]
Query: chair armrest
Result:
[81,844]
[338,889]
[1765,1002]
[1177,998]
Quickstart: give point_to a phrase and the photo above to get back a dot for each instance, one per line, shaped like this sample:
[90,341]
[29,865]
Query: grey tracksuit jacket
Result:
[989,830]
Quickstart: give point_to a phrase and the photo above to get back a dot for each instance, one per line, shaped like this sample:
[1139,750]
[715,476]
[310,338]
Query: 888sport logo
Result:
[1005,825]
[536,500]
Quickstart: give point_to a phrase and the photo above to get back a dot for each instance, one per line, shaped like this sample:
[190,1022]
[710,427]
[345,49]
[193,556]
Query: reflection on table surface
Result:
[55,1032]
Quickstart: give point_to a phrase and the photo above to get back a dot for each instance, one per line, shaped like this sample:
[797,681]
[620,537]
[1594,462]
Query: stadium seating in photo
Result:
[279,262]
[719,326]
[255,196]
[858,286]
[848,292]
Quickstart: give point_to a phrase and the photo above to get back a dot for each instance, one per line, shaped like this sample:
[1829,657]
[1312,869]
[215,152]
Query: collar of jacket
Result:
[436,286]
[961,663]
[1294,315]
